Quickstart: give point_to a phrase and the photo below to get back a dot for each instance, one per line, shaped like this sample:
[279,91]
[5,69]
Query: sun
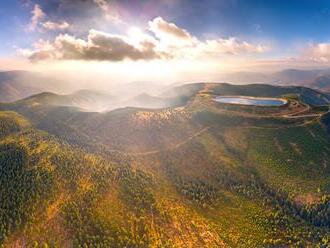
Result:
[136,35]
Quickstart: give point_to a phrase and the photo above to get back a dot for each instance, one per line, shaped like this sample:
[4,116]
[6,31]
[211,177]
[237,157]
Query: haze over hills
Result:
[94,101]
[15,85]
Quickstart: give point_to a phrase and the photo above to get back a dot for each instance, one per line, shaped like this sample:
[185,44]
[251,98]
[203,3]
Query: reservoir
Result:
[254,101]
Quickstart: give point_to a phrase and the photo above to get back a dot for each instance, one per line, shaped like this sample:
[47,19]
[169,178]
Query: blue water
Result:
[242,100]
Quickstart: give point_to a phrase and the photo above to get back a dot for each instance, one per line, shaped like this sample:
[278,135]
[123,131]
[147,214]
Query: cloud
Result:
[49,25]
[37,16]
[318,52]
[231,46]
[166,41]
[166,30]
[24,52]
[110,13]
[37,22]
[98,46]
[182,43]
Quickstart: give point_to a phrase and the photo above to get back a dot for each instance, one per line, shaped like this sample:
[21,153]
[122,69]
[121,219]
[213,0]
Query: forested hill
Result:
[195,174]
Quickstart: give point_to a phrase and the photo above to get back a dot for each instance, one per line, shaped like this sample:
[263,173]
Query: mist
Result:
[87,91]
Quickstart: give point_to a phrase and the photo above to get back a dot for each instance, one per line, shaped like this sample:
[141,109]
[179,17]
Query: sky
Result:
[177,37]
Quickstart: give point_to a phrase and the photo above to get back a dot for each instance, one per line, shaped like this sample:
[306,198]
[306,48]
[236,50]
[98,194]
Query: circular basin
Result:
[250,100]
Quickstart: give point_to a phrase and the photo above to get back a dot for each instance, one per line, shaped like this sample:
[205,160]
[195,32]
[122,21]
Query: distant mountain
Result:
[16,85]
[86,100]
[293,76]
[319,79]
[164,100]
[94,101]
[321,82]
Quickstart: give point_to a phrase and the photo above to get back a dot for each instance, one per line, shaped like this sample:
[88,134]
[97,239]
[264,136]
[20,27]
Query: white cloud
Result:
[24,52]
[318,52]
[37,16]
[170,33]
[181,43]
[49,25]
[37,23]
[231,46]
[110,13]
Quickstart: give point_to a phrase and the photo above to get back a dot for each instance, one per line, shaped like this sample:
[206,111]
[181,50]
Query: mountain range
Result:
[15,85]
[318,79]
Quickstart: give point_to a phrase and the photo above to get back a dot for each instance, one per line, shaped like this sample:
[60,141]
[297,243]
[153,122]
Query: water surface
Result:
[248,100]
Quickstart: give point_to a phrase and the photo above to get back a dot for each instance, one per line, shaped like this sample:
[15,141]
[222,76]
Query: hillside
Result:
[195,173]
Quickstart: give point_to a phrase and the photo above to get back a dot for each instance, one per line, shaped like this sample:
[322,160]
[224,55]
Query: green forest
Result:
[199,175]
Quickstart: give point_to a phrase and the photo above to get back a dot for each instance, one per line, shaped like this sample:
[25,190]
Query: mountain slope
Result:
[203,174]
[58,195]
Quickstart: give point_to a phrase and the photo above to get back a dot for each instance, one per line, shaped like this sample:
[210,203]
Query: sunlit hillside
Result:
[197,174]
